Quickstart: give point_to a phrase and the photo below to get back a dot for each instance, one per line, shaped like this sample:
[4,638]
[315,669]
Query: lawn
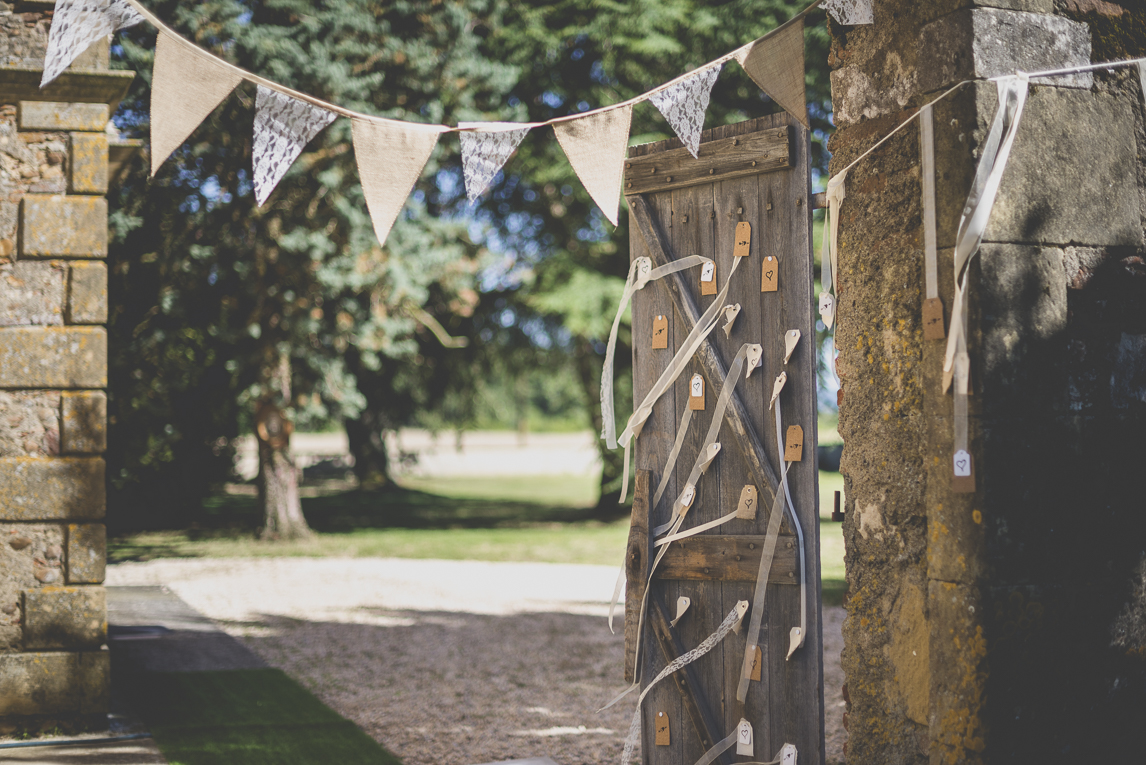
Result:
[527,518]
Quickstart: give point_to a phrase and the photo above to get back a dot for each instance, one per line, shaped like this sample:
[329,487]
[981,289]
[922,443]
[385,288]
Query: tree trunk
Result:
[278,494]
[367,440]
[278,477]
[612,462]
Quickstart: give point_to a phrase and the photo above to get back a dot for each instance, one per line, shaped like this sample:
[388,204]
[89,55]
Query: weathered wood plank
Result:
[761,152]
[728,559]
[636,567]
[687,680]
[687,310]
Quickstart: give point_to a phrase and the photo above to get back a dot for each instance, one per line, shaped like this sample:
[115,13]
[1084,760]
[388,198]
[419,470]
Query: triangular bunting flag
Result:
[390,158]
[76,24]
[186,86]
[684,105]
[485,150]
[776,64]
[595,146]
[283,127]
[849,12]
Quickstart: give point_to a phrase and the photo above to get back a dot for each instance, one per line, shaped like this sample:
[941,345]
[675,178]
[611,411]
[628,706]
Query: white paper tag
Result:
[753,356]
[779,386]
[791,338]
[827,309]
[682,604]
[962,464]
[744,738]
[788,754]
[686,497]
[707,271]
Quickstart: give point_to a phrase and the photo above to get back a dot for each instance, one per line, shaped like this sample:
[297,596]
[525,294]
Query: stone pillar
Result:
[1006,625]
[54,149]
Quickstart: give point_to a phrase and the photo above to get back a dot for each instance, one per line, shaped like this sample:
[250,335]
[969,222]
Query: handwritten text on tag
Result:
[660,333]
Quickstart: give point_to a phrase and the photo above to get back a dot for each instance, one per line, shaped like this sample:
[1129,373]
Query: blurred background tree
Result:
[471,315]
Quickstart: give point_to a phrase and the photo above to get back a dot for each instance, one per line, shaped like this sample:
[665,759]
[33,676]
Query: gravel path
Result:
[440,661]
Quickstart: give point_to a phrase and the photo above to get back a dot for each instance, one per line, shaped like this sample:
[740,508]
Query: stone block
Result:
[63,618]
[52,116]
[1071,178]
[83,422]
[52,489]
[29,423]
[87,553]
[87,163]
[32,293]
[87,293]
[988,42]
[53,226]
[31,555]
[55,683]
[959,672]
[53,357]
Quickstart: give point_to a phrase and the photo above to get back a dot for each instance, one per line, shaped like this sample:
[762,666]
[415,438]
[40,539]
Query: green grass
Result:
[530,518]
[249,716]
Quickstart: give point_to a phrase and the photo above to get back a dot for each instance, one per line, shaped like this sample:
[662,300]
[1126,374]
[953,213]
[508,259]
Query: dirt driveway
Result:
[440,661]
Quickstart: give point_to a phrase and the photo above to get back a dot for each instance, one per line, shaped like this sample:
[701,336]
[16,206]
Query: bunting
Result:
[486,147]
[776,65]
[849,12]
[390,156]
[685,103]
[596,146]
[283,128]
[77,24]
[186,86]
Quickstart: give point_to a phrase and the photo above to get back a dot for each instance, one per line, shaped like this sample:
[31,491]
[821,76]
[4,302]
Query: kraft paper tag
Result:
[770,275]
[663,738]
[746,509]
[696,393]
[660,333]
[743,239]
[791,339]
[744,738]
[794,444]
[708,278]
[933,319]
[757,664]
[963,477]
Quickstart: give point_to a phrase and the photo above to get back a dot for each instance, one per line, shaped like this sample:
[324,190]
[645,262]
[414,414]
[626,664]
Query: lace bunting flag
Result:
[849,12]
[283,128]
[77,24]
[685,104]
[485,151]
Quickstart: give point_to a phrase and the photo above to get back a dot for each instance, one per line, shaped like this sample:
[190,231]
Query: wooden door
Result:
[755,171]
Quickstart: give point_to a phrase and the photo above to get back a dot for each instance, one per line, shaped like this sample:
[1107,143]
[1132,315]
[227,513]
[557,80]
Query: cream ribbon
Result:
[704,326]
[829,254]
[927,169]
[786,755]
[976,213]
[734,618]
[641,272]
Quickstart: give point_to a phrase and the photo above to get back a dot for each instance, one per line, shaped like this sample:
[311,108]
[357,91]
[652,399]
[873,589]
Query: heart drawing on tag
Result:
[768,275]
[962,463]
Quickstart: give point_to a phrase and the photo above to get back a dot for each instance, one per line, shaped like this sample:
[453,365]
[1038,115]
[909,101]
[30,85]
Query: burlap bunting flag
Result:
[776,65]
[186,86]
[390,157]
[596,146]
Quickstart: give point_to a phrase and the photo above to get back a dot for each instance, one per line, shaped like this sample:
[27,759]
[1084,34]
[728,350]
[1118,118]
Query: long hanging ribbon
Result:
[748,354]
[730,622]
[704,326]
[976,213]
[786,755]
[684,501]
[927,168]
[829,255]
[641,272]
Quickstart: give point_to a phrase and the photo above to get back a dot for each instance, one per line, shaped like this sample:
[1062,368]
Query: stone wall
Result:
[1007,625]
[54,668]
